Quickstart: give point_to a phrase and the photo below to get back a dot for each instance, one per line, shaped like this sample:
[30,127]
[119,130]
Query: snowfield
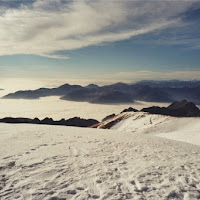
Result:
[41,162]
[185,129]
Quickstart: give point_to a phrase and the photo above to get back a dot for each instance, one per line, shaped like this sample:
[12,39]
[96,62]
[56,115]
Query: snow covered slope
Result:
[180,129]
[40,162]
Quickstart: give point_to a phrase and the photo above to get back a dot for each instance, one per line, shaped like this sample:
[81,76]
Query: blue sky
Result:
[99,39]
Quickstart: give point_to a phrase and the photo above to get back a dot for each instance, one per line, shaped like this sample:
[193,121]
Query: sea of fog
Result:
[52,106]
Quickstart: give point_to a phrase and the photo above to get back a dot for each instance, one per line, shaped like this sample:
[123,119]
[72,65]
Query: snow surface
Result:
[186,129]
[39,162]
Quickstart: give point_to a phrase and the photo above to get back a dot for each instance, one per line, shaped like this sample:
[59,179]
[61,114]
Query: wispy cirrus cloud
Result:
[42,27]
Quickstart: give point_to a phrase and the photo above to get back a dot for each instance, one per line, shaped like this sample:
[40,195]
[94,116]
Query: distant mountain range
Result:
[119,93]
[170,83]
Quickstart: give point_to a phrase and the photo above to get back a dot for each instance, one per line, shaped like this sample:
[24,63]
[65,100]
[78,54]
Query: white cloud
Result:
[47,26]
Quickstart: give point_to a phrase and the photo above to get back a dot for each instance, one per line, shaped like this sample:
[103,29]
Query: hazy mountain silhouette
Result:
[170,83]
[83,94]
[147,93]
[111,97]
[189,93]
[152,91]
[92,86]
[43,92]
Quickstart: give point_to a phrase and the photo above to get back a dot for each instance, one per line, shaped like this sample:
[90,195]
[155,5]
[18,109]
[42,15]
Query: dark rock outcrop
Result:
[156,110]
[35,121]
[108,117]
[16,120]
[76,121]
[47,121]
[184,108]
[130,109]
[176,109]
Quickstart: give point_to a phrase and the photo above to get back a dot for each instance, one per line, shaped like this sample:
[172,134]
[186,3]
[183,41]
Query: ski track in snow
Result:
[57,163]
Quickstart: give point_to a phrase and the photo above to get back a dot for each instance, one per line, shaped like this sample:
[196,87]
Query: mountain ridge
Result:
[75,121]
[151,91]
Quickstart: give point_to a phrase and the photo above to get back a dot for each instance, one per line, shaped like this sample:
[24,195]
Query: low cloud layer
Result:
[43,27]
